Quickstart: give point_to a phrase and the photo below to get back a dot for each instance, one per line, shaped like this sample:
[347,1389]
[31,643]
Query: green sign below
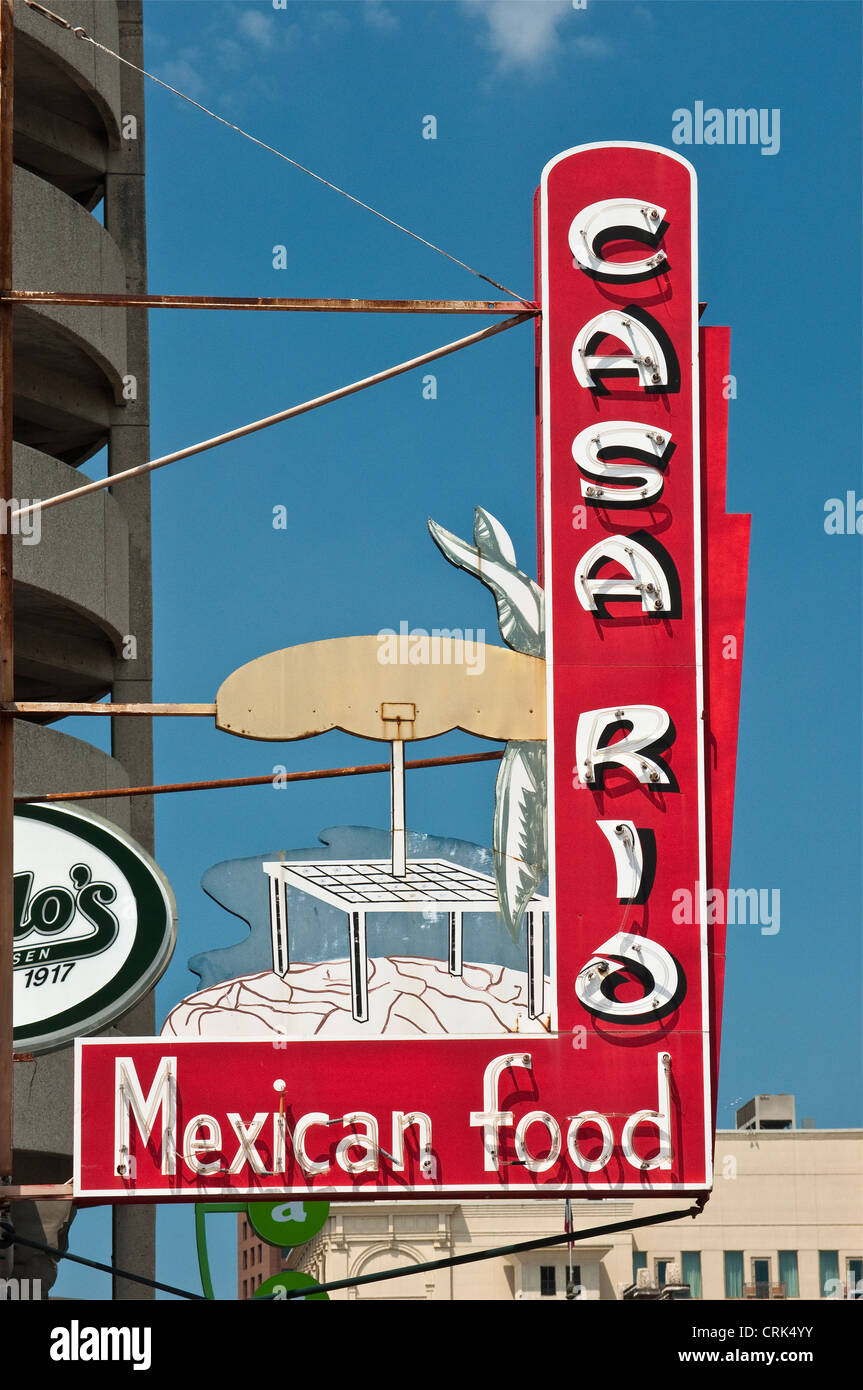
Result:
[278,1286]
[287,1223]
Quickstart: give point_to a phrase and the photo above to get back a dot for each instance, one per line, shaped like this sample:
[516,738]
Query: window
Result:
[252,1256]
[761,1278]
[547,1281]
[855,1278]
[661,1270]
[245,1288]
[245,1230]
[690,1270]
[828,1273]
[733,1273]
[788,1273]
[260,1253]
[245,1259]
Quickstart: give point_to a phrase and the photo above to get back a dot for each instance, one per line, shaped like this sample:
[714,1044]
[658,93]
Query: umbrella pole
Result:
[397,809]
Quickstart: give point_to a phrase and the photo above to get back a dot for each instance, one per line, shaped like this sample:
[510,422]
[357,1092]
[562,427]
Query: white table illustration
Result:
[360,886]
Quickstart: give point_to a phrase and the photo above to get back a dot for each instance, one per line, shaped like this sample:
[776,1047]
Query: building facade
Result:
[82,621]
[256,1260]
[784,1221]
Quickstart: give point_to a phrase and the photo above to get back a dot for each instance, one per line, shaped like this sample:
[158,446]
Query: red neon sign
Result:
[623,572]
[617,1095]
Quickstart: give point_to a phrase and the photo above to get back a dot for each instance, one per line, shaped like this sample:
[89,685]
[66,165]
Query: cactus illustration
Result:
[520,600]
[520,841]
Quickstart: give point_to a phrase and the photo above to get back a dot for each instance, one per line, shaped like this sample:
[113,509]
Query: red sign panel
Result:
[607,1086]
[178,1119]
[726,554]
[623,576]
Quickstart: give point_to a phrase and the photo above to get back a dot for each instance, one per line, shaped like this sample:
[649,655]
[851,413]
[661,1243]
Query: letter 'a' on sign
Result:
[648,352]
[95,925]
[288,1223]
[650,575]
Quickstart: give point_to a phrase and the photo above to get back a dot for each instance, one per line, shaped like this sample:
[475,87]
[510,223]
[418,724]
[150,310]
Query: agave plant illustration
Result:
[520,842]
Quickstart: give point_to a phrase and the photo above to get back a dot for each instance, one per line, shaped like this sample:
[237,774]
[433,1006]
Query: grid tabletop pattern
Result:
[371,883]
[360,886]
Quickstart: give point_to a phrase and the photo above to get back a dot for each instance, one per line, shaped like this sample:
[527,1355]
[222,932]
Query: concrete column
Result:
[133,1227]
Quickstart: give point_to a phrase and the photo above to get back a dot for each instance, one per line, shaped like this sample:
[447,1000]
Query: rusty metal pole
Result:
[130,300]
[7,685]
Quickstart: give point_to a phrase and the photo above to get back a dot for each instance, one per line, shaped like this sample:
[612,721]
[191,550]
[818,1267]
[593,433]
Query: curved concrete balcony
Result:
[47,760]
[71,569]
[69,363]
[67,71]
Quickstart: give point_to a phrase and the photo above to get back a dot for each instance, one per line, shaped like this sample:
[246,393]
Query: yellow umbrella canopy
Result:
[343,683]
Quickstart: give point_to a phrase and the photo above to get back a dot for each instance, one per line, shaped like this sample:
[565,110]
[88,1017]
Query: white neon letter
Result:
[630,441]
[654,968]
[247,1134]
[661,1117]
[303,1125]
[648,726]
[129,1099]
[370,1162]
[622,835]
[490,1117]
[617,219]
[539,1117]
[192,1145]
[589,1165]
[648,579]
[649,358]
[402,1122]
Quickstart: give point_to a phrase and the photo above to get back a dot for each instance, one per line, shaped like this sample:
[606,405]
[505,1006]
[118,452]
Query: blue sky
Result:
[343,86]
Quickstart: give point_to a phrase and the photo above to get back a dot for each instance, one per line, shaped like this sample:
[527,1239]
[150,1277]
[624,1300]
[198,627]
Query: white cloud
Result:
[522,33]
[181,73]
[230,53]
[329,21]
[377,16]
[592,46]
[257,26]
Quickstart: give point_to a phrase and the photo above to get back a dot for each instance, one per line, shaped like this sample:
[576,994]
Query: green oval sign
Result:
[95,925]
[278,1285]
[287,1223]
